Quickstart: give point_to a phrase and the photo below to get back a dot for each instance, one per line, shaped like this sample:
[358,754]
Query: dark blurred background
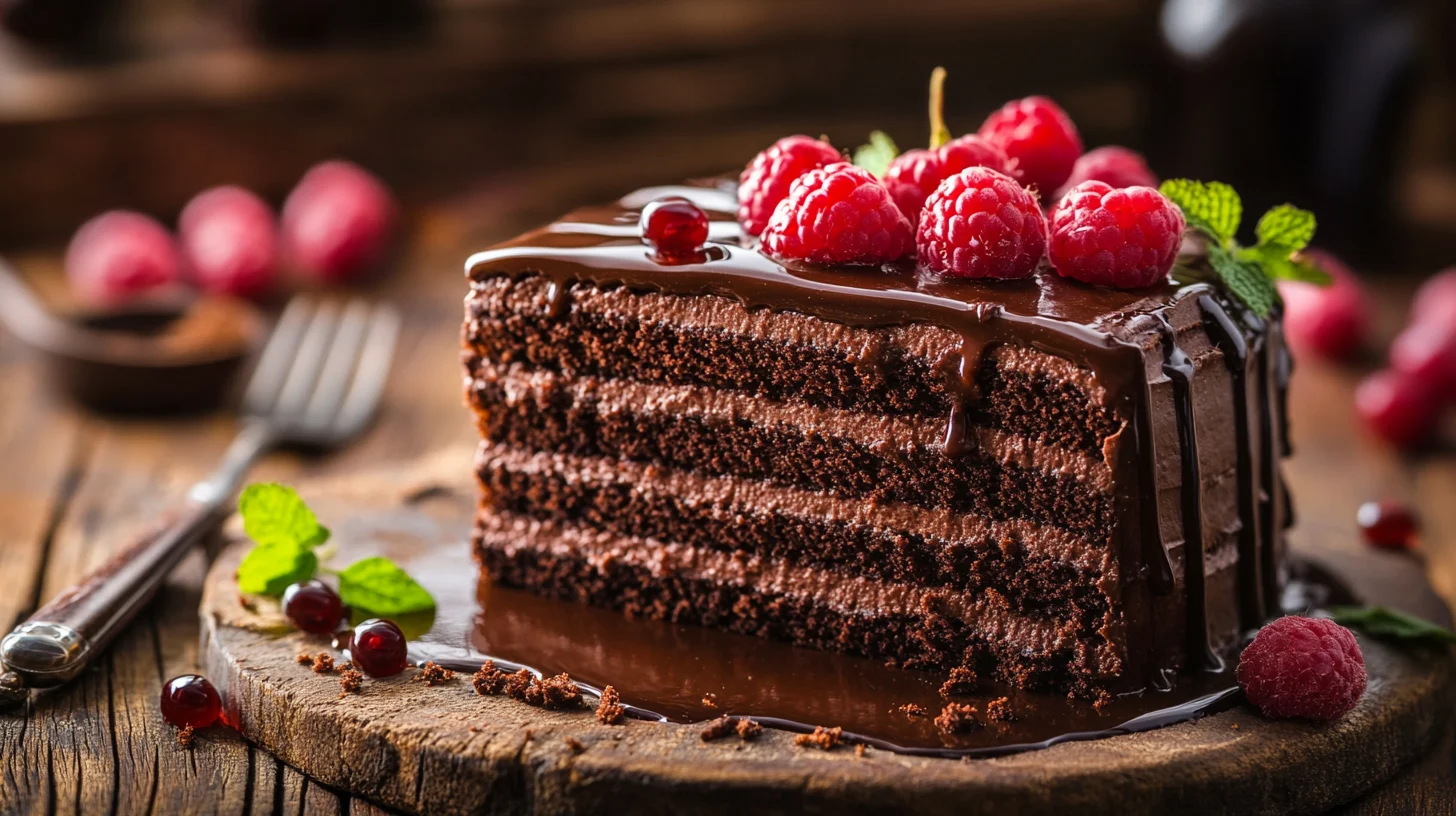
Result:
[521,107]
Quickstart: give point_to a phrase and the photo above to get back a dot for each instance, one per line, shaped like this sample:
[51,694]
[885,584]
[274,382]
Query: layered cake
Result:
[1057,484]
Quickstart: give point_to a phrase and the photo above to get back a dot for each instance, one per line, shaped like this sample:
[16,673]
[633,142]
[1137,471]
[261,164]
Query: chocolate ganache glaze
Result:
[1099,329]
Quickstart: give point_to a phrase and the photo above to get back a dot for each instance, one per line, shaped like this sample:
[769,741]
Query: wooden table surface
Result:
[72,485]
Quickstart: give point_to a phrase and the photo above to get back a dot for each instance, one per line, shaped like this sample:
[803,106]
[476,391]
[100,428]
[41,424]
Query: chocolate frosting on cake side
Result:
[1176,365]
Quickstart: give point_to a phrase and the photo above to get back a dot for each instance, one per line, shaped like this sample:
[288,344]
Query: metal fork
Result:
[316,385]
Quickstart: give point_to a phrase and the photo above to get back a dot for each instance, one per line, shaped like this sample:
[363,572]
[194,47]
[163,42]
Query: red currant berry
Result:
[674,227]
[1388,525]
[313,607]
[190,701]
[379,648]
[1397,408]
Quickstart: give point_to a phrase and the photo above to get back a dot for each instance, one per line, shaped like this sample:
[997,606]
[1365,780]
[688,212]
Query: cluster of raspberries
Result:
[970,208]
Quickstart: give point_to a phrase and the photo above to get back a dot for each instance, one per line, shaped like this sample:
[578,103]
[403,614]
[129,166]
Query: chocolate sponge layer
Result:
[609,334]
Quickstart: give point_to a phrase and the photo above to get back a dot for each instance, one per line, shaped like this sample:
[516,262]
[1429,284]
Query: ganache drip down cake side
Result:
[1060,485]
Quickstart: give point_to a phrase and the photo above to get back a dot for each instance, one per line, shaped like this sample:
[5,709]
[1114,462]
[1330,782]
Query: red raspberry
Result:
[120,254]
[766,180]
[1310,668]
[1039,136]
[1328,322]
[1126,238]
[1427,351]
[1117,166]
[1436,299]
[1400,409]
[838,214]
[231,241]
[915,174]
[337,222]
[981,224]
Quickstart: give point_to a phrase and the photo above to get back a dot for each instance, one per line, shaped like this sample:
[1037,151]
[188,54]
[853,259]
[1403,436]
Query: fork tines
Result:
[323,370]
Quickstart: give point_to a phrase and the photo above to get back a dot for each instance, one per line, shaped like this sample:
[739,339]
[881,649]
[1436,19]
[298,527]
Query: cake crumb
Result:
[957,718]
[1235,726]
[719,728]
[710,700]
[575,745]
[1102,700]
[748,730]
[433,674]
[552,693]
[999,710]
[488,679]
[350,680]
[823,738]
[340,668]
[323,663]
[912,710]
[184,736]
[961,683]
[304,659]
[859,750]
[559,692]
[610,709]
[247,603]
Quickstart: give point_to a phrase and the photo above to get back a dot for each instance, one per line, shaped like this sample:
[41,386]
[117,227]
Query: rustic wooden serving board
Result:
[446,750]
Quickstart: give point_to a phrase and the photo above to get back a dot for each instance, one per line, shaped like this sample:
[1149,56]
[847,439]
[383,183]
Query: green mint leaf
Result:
[268,569]
[1286,226]
[1212,208]
[274,514]
[877,155]
[1245,279]
[1388,624]
[379,587]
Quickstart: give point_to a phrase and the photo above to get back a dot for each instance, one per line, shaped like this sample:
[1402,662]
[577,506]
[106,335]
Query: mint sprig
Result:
[877,155]
[286,535]
[1215,210]
[1388,624]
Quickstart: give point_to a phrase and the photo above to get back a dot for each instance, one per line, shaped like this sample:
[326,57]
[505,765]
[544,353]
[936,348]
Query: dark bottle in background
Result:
[1306,101]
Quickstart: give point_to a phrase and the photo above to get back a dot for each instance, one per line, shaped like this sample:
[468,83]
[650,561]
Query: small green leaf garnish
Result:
[1215,209]
[268,569]
[1245,279]
[1388,624]
[274,514]
[1287,226]
[378,586]
[877,155]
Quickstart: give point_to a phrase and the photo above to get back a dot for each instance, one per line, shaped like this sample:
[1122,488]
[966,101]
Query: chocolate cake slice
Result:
[1059,485]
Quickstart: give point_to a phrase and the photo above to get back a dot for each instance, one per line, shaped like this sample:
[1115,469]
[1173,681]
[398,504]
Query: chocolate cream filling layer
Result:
[987,616]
